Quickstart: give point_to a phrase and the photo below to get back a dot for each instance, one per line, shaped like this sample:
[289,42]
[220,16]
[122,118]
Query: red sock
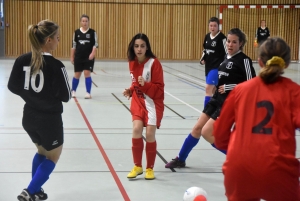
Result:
[150,154]
[137,151]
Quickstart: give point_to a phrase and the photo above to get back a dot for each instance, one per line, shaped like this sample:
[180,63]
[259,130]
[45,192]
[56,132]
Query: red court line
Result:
[108,163]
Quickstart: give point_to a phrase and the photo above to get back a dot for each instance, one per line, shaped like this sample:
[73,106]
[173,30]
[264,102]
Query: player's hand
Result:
[72,60]
[127,93]
[91,57]
[221,89]
[202,62]
[141,80]
[255,43]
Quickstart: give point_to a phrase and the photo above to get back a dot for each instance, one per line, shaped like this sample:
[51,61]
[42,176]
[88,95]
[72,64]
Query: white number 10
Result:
[38,89]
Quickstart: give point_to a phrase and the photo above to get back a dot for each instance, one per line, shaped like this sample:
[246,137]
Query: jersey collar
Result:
[229,56]
[212,37]
[46,53]
[85,30]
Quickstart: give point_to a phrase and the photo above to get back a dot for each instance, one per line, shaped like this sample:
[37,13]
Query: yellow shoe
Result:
[135,172]
[149,174]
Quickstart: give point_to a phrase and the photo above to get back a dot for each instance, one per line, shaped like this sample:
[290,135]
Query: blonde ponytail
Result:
[38,35]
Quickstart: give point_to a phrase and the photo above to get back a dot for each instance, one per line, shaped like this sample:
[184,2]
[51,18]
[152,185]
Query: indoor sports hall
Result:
[97,155]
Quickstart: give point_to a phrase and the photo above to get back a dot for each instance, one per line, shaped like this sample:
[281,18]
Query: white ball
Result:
[191,193]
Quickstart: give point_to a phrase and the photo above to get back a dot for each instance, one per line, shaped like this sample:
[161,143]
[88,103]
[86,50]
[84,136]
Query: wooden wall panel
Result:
[176,28]
[281,23]
[183,2]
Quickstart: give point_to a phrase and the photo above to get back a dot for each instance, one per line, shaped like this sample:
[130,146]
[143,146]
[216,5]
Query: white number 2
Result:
[38,89]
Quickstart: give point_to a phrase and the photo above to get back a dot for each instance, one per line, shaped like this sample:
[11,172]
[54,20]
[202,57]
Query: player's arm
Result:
[223,125]
[93,53]
[14,84]
[155,88]
[295,107]
[203,57]
[268,34]
[60,84]
[224,48]
[73,49]
[256,34]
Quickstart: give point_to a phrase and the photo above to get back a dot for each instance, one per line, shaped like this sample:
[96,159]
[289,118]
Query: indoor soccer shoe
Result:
[175,163]
[25,196]
[87,96]
[135,172]
[73,94]
[149,174]
[41,195]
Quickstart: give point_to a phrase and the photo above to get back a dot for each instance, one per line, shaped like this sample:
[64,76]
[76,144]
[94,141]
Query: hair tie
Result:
[275,60]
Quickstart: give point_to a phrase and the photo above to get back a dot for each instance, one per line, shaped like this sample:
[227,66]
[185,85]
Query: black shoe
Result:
[175,163]
[26,196]
[41,195]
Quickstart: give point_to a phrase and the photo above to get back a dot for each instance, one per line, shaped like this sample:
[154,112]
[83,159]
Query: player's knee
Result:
[196,132]
[54,154]
[204,133]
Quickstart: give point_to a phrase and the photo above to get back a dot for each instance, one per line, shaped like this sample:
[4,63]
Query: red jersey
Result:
[261,145]
[147,101]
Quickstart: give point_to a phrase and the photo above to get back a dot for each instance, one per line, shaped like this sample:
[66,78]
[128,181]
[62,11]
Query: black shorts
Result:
[83,64]
[44,129]
[213,108]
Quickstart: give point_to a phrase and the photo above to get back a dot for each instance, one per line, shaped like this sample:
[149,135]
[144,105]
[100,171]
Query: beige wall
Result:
[176,28]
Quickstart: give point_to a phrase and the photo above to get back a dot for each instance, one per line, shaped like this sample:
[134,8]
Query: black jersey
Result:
[43,91]
[214,51]
[84,42]
[262,34]
[232,71]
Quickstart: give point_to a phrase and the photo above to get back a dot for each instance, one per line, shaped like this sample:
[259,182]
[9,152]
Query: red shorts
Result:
[144,120]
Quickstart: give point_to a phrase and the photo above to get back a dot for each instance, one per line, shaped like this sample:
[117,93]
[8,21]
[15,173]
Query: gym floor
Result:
[97,155]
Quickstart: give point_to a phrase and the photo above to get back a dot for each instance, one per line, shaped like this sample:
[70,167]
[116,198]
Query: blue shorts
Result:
[212,77]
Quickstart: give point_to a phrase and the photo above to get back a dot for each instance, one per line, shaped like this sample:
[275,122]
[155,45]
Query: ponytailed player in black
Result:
[42,82]
[83,52]
[235,68]
[213,54]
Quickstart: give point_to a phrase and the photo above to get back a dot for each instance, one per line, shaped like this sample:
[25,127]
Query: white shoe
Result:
[87,96]
[73,94]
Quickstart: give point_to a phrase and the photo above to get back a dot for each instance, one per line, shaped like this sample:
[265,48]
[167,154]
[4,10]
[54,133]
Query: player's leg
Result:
[88,68]
[78,68]
[150,151]
[212,79]
[189,143]
[207,133]
[29,122]
[137,147]
[50,134]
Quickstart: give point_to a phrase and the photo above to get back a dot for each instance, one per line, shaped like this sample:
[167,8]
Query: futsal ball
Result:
[195,194]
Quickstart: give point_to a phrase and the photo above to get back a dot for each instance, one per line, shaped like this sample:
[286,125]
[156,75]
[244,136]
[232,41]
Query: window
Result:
[1,15]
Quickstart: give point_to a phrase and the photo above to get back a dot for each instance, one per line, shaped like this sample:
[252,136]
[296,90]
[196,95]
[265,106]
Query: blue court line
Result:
[202,88]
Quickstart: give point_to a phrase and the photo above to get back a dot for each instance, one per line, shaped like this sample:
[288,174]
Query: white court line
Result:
[203,84]
[183,102]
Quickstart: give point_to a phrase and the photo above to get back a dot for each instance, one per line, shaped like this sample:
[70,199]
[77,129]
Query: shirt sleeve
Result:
[296,107]
[14,83]
[203,57]
[74,42]
[60,84]
[155,88]
[256,34]
[224,123]
[96,40]
[224,49]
